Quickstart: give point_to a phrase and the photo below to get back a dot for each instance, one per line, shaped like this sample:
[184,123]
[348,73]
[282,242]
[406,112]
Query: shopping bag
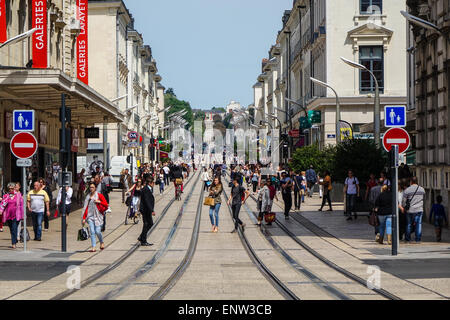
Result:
[209,202]
[56,213]
[270,217]
[83,234]
[21,235]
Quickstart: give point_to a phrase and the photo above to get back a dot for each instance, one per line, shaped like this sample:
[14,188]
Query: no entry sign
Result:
[24,145]
[396,136]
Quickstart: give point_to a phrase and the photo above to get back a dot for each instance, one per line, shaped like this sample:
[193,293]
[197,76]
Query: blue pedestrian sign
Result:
[395,116]
[23,121]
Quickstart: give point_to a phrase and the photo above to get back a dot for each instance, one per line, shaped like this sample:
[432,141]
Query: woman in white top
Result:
[205,179]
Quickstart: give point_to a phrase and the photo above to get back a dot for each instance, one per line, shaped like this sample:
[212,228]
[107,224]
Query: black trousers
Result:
[287,198]
[205,186]
[326,197]
[255,185]
[297,199]
[148,224]
[236,208]
[46,220]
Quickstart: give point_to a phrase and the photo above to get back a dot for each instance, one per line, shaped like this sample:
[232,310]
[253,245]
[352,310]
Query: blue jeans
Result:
[350,200]
[161,187]
[37,218]
[214,212]
[13,225]
[94,230]
[417,219]
[385,225]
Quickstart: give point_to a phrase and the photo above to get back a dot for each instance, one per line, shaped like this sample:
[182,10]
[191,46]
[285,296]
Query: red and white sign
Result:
[132,135]
[294,133]
[396,136]
[82,42]
[24,145]
[39,18]
[3,35]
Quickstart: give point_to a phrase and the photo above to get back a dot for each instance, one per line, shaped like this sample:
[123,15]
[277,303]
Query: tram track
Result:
[265,271]
[125,256]
[382,292]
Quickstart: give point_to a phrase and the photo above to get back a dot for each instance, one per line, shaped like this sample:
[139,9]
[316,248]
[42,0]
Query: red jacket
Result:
[102,207]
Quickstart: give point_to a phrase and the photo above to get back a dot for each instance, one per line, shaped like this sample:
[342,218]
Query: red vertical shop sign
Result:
[82,42]
[40,36]
[3,35]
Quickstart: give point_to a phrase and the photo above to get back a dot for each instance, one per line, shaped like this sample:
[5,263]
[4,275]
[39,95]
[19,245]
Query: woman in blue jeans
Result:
[384,210]
[215,192]
[93,215]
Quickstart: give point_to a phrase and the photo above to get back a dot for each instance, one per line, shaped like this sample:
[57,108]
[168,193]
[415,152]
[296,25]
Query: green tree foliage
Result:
[226,121]
[217,118]
[219,109]
[171,92]
[311,155]
[362,156]
[178,105]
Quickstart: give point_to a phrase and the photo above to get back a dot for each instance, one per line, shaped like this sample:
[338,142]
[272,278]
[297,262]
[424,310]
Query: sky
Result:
[209,51]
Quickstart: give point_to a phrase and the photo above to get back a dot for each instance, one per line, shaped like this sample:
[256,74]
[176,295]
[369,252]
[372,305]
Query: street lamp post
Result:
[376,115]
[338,107]
[18,38]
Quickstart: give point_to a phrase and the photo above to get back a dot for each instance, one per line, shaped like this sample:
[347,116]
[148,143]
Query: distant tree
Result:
[217,118]
[311,155]
[171,92]
[179,105]
[227,120]
[219,109]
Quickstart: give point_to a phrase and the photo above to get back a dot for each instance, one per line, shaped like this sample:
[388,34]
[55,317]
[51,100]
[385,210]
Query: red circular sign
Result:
[396,136]
[24,145]
[132,135]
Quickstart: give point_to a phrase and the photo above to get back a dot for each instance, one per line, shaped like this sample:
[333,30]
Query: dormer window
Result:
[371,6]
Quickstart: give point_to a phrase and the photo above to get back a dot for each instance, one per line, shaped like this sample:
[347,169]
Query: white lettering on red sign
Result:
[82,42]
[39,18]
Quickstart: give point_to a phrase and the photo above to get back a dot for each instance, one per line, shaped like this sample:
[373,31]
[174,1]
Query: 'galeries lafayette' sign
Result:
[39,18]
[3,35]
[82,42]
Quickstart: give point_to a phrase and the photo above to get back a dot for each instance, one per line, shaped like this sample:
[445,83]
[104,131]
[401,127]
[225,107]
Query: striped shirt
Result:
[38,200]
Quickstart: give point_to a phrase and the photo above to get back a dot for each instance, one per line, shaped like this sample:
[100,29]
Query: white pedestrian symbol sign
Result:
[20,119]
[395,116]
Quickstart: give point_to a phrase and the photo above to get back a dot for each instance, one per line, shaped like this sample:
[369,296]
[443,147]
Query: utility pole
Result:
[394,159]
[64,157]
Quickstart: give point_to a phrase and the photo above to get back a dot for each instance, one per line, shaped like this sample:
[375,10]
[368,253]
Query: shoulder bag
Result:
[408,201]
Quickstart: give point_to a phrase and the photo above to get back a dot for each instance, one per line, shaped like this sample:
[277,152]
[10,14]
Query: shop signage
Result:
[39,21]
[3,35]
[92,133]
[82,42]
[24,163]
[132,135]
[294,133]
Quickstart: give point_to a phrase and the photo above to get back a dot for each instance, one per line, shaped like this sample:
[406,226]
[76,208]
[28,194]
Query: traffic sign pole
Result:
[24,184]
[394,159]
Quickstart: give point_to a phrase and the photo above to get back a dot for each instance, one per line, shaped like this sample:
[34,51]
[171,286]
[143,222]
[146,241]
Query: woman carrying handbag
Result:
[263,201]
[215,192]
[11,211]
[95,206]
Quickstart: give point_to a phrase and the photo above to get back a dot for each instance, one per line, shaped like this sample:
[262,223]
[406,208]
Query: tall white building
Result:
[314,37]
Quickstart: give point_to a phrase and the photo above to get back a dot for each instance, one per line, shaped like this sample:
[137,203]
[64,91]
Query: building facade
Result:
[429,98]
[24,85]
[314,37]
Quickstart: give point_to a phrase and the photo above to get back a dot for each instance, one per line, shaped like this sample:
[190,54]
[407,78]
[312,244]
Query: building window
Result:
[371,6]
[372,58]
[424,179]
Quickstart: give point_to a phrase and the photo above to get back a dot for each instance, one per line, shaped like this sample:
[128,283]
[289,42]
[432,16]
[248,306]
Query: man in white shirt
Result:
[166,174]
[351,190]
[69,194]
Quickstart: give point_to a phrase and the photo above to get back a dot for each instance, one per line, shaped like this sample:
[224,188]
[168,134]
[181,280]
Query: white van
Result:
[118,163]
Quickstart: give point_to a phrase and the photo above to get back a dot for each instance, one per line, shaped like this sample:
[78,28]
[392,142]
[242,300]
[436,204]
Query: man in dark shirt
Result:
[237,199]
[297,180]
[286,192]
[147,208]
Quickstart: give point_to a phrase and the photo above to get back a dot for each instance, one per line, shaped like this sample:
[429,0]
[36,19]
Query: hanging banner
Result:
[39,18]
[3,35]
[82,41]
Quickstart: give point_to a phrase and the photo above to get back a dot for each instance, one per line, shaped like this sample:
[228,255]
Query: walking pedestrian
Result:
[37,202]
[272,194]
[327,187]
[311,179]
[161,181]
[351,191]
[439,217]
[370,184]
[403,185]
[81,186]
[373,196]
[69,194]
[264,201]
[237,199]
[412,204]
[255,179]
[126,181]
[11,212]
[46,188]
[286,192]
[384,210]
[166,174]
[215,191]
[205,179]
[136,193]
[298,179]
[147,208]
[95,206]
